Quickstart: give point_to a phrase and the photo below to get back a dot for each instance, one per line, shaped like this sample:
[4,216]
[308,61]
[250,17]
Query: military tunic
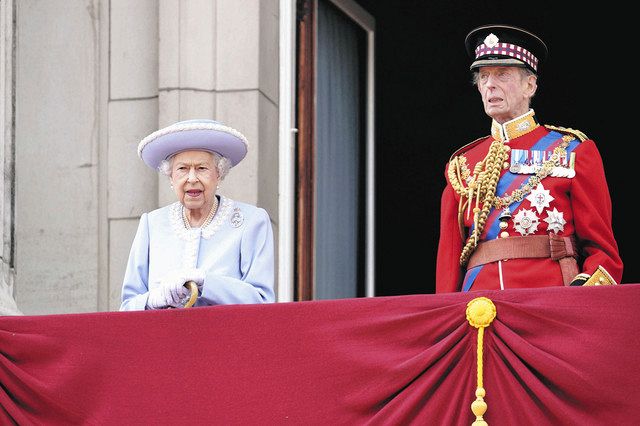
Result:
[572,202]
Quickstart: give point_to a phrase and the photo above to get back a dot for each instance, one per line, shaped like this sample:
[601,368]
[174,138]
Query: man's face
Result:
[506,91]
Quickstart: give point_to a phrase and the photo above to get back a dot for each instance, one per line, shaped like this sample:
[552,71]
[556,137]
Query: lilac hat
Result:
[199,134]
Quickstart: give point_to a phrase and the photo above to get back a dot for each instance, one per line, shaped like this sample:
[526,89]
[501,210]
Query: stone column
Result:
[7,302]
[133,114]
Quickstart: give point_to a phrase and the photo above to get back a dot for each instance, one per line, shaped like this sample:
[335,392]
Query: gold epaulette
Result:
[573,132]
[467,146]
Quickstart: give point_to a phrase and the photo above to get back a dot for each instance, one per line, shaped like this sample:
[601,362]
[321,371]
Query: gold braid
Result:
[484,181]
[482,185]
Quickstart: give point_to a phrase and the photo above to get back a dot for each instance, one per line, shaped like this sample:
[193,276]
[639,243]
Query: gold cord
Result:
[483,182]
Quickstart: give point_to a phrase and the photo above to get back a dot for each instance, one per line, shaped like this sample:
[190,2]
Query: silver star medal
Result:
[556,221]
[526,221]
[540,198]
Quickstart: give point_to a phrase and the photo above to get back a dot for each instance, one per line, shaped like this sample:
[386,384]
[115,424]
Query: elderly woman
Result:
[224,246]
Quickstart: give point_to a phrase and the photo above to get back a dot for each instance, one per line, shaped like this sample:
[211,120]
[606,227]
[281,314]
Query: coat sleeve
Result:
[256,268]
[592,213]
[448,270]
[135,288]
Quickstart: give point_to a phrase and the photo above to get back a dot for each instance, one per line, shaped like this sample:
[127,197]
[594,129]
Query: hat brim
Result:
[498,62]
[171,140]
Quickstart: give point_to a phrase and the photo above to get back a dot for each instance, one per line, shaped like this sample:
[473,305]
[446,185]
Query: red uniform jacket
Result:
[583,201]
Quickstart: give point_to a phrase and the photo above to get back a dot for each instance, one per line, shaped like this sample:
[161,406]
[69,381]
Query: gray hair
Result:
[222,164]
[524,70]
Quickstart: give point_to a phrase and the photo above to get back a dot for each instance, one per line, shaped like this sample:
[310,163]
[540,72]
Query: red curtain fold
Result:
[553,356]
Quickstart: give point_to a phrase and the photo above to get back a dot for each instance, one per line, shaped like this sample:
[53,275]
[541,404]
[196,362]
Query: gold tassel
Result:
[476,222]
[480,313]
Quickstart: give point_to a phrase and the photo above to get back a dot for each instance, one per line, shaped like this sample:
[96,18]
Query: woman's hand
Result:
[171,292]
[196,275]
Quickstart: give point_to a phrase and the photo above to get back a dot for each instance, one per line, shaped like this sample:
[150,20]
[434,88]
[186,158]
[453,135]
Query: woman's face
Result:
[194,176]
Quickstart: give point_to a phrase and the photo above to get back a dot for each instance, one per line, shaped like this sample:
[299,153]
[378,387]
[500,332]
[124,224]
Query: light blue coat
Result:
[235,250]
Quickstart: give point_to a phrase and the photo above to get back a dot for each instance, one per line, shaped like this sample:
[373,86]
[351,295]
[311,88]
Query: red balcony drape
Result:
[554,356]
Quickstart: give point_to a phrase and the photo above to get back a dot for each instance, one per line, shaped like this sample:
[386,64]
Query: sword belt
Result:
[561,249]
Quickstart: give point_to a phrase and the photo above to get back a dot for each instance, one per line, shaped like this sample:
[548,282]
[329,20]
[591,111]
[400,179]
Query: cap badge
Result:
[491,40]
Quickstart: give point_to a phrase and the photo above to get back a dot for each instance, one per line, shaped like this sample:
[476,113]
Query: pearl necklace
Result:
[209,218]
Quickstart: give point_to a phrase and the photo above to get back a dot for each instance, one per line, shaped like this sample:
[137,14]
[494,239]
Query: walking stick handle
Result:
[191,285]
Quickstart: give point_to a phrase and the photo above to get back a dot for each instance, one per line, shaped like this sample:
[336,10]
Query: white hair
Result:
[525,72]
[222,164]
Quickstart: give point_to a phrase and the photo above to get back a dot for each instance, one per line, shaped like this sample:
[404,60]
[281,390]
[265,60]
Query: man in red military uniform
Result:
[529,205]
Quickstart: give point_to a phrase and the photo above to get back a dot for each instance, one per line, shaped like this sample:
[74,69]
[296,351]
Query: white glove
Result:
[156,299]
[171,291]
[196,275]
